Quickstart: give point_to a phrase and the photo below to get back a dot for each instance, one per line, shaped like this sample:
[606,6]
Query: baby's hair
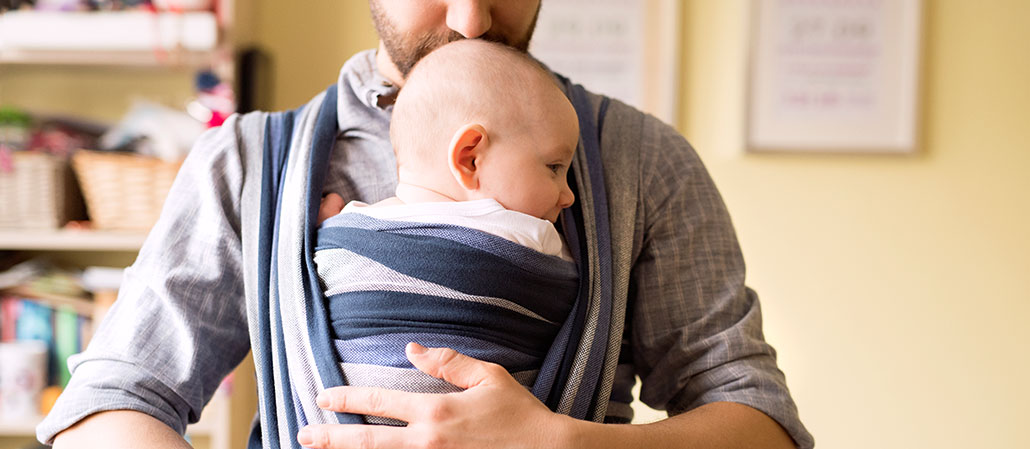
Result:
[467,81]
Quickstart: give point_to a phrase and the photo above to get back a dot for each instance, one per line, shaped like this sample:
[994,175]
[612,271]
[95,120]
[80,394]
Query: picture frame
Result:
[833,76]
[629,50]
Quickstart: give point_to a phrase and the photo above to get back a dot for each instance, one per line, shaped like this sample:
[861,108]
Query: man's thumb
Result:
[460,370]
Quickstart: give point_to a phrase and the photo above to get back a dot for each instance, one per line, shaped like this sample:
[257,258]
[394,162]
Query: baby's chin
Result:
[549,218]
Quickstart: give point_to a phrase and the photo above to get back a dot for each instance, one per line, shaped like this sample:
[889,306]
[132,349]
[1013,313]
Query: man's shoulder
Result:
[622,118]
[253,121]
[645,159]
[252,124]
[653,144]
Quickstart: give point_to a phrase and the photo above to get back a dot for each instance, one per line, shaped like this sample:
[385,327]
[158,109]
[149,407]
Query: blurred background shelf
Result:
[93,66]
[27,427]
[127,38]
[213,425]
[71,240]
[135,58]
[18,427]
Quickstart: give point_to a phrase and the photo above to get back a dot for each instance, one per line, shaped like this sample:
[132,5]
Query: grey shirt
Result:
[693,332]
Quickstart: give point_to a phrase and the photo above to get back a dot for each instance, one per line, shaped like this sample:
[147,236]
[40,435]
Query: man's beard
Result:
[406,51]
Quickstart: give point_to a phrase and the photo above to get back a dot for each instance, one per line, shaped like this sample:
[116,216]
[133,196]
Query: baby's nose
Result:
[566,197]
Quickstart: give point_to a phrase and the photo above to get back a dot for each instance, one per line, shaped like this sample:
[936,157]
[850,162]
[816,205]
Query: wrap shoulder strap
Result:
[585,368]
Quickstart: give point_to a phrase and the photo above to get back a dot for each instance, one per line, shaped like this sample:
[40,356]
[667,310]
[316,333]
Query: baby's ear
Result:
[465,151]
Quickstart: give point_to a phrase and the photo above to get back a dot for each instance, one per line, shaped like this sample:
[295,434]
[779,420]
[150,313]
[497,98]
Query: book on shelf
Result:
[47,315]
[61,328]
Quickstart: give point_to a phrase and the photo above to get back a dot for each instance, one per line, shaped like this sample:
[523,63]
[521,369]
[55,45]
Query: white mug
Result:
[23,372]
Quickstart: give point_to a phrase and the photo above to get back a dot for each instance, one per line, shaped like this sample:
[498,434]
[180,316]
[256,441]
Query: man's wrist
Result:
[715,425]
[576,433]
[570,433]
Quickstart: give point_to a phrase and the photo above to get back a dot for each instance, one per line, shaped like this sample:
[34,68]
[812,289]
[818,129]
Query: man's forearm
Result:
[716,425]
[119,429]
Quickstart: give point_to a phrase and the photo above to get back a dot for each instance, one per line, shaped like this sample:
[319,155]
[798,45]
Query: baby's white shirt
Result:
[486,215]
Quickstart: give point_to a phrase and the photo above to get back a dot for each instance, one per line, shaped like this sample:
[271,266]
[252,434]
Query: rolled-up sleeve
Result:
[180,324]
[697,329]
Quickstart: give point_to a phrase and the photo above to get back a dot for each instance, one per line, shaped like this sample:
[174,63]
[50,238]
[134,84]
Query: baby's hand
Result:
[331,205]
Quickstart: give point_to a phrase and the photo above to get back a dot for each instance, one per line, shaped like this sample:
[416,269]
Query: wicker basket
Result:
[123,191]
[38,193]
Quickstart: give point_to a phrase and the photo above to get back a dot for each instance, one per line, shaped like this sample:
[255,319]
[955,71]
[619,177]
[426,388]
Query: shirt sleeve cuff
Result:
[103,385]
[755,388]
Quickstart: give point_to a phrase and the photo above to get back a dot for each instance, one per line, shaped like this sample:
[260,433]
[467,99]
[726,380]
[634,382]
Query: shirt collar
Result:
[360,77]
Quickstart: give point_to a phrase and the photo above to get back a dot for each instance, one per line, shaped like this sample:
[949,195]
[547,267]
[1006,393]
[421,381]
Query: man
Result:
[693,332]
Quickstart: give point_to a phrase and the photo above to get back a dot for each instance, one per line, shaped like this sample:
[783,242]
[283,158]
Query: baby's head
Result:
[477,119]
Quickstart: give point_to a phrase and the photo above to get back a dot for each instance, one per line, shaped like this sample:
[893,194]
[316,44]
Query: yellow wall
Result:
[309,44]
[98,93]
[897,289]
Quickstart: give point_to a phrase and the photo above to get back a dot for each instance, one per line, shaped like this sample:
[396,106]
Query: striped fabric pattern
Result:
[390,282]
[296,335]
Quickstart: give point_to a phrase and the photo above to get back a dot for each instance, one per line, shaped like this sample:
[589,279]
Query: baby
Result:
[465,255]
[504,131]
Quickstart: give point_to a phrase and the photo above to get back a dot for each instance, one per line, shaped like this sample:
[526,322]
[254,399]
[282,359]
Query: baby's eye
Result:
[555,168]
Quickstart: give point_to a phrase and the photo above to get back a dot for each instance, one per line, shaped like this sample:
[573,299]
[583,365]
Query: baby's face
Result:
[529,173]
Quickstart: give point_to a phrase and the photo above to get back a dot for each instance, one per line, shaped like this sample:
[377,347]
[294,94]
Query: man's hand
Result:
[494,411]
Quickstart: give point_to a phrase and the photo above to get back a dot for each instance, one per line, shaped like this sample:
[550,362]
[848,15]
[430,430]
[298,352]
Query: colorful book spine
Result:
[66,342]
[63,331]
[36,323]
[10,310]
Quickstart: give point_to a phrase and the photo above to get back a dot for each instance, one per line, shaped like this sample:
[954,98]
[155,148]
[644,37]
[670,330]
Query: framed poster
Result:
[626,49]
[833,76]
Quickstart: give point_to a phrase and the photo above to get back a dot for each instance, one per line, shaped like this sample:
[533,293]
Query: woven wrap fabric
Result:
[390,282]
[295,354]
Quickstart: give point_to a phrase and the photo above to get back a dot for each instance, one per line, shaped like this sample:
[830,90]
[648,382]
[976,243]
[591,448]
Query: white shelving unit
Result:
[224,422]
[126,38]
[158,41]
[212,425]
[70,240]
[19,427]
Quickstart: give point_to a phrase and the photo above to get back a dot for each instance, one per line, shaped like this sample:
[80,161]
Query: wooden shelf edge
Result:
[71,240]
[142,59]
[27,428]
[19,427]
[206,427]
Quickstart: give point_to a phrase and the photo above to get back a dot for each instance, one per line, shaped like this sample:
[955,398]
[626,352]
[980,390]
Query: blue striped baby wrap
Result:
[389,282]
[303,342]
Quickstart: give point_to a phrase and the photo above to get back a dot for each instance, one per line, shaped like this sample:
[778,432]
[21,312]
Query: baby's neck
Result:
[411,193]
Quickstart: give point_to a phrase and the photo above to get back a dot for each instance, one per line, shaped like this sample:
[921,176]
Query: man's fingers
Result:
[372,401]
[460,370]
[352,436]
